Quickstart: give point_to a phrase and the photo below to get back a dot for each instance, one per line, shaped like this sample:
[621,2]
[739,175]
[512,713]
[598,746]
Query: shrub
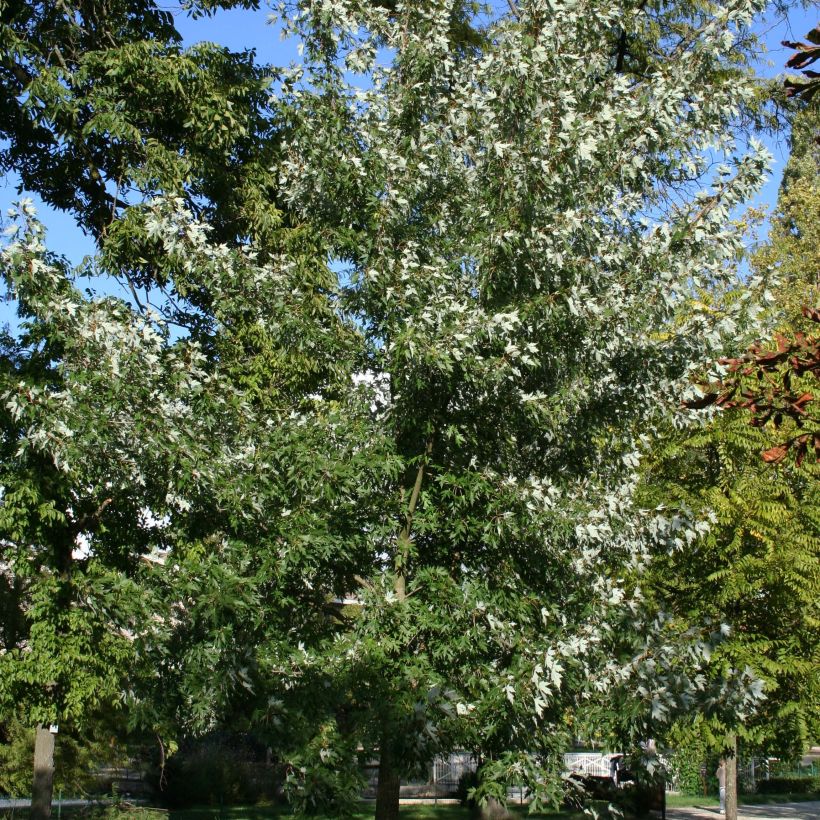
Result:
[692,762]
[325,778]
[789,785]
[221,769]
[119,811]
[76,759]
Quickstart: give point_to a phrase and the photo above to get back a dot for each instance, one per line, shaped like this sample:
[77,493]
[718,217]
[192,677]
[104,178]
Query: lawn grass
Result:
[683,800]
[366,812]
[120,811]
[449,812]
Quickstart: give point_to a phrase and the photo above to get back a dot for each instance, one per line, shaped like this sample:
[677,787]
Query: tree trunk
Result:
[731,780]
[387,792]
[493,810]
[43,774]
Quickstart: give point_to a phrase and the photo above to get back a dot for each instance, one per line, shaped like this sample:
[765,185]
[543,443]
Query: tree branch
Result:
[403,552]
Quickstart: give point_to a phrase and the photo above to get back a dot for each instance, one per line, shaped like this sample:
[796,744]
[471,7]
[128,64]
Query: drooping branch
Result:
[807,53]
[771,385]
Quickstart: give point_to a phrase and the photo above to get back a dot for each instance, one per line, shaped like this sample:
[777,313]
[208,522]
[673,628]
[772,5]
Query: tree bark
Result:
[493,810]
[387,791]
[43,784]
[731,780]
[403,543]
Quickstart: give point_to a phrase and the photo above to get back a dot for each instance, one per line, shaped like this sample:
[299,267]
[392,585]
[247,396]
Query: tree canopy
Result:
[397,336]
[757,569]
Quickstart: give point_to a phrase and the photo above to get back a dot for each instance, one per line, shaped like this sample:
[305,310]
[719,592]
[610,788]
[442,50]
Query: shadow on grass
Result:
[366,812]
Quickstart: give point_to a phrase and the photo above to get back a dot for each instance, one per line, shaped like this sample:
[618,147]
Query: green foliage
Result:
[101,108]
[217,770]
[326,776]
[449,433]
[690,754]
[789,785]
[76,759]
[756,567]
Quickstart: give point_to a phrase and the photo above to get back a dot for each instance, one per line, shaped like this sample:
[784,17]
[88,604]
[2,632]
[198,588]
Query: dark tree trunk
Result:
[43,785]
[387,792]
[731,780]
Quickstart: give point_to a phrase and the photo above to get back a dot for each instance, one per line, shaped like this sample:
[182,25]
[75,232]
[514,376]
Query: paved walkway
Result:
[793,811]
[25,802]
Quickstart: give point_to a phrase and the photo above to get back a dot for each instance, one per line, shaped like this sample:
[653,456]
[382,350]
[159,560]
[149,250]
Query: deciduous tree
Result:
[520,205]
[758,568]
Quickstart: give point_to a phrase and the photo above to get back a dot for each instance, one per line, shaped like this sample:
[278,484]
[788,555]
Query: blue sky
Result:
[241,29]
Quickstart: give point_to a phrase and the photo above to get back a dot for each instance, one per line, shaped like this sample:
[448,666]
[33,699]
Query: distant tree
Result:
[758,567]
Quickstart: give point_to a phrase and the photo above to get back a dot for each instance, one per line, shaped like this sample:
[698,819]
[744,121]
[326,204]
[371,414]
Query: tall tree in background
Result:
[758,568]
[523,206]
[101,110]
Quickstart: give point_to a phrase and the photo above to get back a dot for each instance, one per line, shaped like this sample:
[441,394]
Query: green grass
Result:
[682,800]
[120,812]
[366,812]
[411,812]
[433,812]
[459,813]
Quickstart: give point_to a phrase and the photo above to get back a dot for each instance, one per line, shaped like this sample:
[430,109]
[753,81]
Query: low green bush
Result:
[120,811]
[76,759]
[221,769]
[789,785]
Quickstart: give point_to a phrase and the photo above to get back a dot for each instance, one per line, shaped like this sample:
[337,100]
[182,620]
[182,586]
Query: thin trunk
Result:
[387,792]
[403,546]
[731,780]
[43,784]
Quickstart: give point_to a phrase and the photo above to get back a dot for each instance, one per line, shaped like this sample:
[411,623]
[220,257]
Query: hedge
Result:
[789,785]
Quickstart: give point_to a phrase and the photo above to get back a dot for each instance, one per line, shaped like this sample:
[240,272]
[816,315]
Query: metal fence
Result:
[446,772]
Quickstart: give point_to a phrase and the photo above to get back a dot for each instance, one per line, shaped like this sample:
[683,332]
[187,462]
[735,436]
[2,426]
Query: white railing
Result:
[593,764]
[448,771]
